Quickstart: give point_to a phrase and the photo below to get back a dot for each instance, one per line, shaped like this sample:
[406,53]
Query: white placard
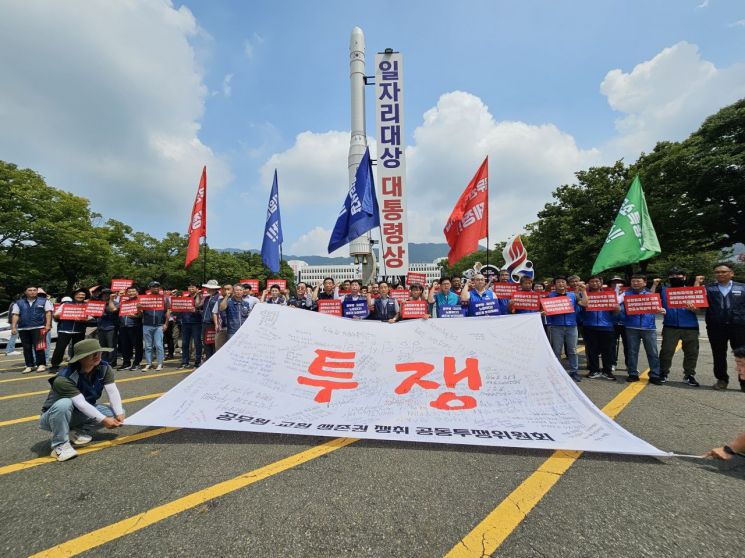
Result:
[497,375]
[391,166]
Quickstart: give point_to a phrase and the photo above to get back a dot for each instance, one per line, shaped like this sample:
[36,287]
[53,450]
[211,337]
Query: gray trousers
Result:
[670,338]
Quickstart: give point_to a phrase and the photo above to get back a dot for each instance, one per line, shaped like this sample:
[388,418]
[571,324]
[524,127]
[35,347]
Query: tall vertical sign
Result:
[389,116]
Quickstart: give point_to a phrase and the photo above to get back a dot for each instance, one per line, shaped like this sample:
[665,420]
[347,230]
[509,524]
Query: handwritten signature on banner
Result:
[336,365]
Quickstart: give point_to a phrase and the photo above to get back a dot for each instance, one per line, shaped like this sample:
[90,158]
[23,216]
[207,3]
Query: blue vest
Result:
[153,317]
[91,387]
[208,304]
[598,319]
[108,320]
[32,315]
[235,314]
[385,309]
[678,317]
[564,319]
[474,297]
[638,321]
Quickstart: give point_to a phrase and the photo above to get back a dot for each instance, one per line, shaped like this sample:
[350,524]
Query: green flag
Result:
[631,238]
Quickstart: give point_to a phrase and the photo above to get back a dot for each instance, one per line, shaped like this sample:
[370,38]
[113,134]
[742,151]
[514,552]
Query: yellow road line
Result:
[492,531]
[36,417]
[7,469]
[134,379]
[134,523]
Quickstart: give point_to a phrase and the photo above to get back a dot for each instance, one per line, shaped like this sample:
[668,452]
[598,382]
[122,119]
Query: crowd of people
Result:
[216,312]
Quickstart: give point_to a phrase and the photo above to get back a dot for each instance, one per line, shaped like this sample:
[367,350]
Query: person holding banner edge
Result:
[737,446]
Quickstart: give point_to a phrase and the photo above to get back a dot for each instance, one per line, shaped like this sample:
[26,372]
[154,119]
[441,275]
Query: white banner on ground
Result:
[490,381]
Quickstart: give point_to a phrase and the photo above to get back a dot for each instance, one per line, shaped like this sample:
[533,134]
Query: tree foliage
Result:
[51,238]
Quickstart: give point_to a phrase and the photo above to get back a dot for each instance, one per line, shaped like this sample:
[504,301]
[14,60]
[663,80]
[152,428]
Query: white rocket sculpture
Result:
[360,248]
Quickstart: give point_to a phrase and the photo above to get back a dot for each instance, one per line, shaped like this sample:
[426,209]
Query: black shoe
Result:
[656,380]
[124,367]
[576,377]
[608,376]
[594,375]
[632,378]
[663,378]
[690,381]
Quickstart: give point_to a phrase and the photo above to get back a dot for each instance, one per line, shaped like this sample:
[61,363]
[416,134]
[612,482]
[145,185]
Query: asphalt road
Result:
[371,498]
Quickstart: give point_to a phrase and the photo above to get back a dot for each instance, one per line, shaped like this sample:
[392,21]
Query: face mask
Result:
[677,282]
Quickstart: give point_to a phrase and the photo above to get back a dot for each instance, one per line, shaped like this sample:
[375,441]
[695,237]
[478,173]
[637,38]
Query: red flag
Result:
[198,223]
[469,221]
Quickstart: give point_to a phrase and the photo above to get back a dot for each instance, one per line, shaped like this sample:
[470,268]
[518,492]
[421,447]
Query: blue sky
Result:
[124,102]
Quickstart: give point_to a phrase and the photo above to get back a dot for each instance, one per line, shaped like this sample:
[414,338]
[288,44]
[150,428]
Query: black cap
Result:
[676,271]
[152,284]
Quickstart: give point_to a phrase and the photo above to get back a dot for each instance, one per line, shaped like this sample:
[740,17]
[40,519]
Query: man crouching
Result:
[70,412]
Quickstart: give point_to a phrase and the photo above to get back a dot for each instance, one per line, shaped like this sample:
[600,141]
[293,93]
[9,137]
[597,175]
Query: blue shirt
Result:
[724,289]
[450,300]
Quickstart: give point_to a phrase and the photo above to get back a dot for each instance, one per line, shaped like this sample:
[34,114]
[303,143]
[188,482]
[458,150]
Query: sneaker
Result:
[608,376]
[632,378]
[690,381]
[720,385]
[124,367]
[656,380]
[182,366]
[134,367]
[576,377]
[27,370]
[613,368]
[13,353]
[80,438]
[159,367]
[147,367]
[63,452]
[41,368]
[595,375]
[663,378]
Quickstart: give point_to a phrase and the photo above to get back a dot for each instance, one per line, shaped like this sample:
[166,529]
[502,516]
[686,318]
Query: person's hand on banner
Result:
[111,422]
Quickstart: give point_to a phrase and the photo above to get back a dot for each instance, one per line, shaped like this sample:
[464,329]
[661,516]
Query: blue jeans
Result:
[189,332]
[63,416]
[636,337]
[565,337]
[153,337]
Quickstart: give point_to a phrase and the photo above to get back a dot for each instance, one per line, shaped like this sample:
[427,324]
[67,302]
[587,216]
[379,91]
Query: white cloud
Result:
[105,99]
[315,242]
[227,89]
[704,4]
[738,23]
[667,97]
[526,163]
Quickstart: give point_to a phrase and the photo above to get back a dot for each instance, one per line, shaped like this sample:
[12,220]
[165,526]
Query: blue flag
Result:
[272,230]
[360,211]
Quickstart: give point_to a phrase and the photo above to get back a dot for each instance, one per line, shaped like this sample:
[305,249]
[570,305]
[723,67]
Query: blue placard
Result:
[354,309]
[485,308]
[451,311]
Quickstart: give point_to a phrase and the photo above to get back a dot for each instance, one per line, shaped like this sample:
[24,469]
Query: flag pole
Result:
[204,260]
[487,213]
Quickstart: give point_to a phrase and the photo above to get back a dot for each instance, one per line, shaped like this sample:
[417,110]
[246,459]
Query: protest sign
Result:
[555,305]
[331,307]
[128,307]
[504,290]
[414,278]
[680,297]
[526,300]
[648,303]
[121,284]
[486,308]
[254,285]
[400,294]
[281,283]
[451,311]
[598,301]
[182,304]
[414,309]
[488,382]
[75,312]
[95,308]
[209,335]
[354,308]
[152,302]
